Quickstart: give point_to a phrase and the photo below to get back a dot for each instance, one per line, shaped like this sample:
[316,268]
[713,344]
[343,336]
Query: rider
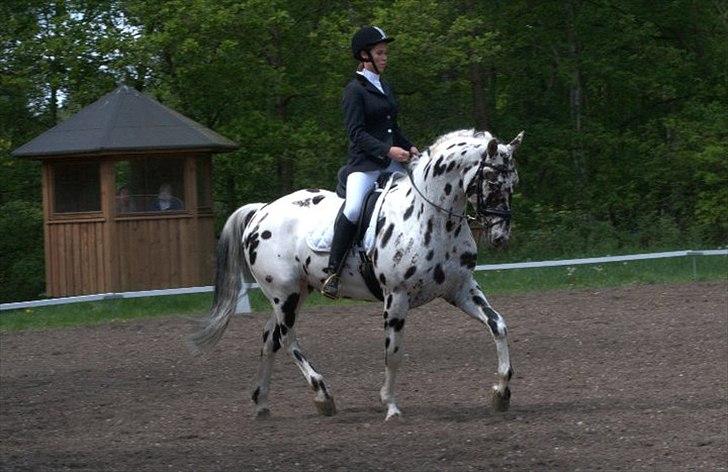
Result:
[376,144]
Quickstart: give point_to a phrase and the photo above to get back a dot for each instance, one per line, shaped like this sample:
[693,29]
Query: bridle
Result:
[482,209]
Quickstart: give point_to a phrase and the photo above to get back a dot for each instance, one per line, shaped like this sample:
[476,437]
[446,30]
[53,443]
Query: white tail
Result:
[230,270]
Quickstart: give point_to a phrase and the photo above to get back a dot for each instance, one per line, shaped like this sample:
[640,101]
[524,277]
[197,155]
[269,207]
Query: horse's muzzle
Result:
[499,241]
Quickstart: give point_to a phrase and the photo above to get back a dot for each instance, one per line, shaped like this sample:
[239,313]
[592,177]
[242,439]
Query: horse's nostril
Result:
[499,242]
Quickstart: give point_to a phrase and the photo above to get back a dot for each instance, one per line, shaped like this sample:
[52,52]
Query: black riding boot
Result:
[344,231]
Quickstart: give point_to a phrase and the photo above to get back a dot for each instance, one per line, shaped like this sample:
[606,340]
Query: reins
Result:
[481,202]
[445,210]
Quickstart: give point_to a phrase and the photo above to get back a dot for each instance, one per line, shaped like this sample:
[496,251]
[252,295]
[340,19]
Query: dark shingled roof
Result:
[124,120]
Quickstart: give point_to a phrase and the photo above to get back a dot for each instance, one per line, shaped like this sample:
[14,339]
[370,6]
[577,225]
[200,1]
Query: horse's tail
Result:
[230,268]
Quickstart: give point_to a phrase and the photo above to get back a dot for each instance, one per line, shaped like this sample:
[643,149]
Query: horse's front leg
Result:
[472,301]
[395,311]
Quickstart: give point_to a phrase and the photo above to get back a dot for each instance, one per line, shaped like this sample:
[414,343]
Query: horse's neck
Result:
[439,186]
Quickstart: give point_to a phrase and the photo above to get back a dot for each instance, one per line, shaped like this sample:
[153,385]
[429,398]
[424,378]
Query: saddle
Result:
[370,201]
[366,268]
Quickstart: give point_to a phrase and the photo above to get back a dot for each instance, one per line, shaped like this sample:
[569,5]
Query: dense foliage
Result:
[624,104]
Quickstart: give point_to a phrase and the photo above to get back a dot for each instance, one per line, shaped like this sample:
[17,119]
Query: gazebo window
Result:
[76,187]
[150,185]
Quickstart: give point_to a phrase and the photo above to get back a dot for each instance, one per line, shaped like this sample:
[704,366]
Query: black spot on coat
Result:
[410,272]
[265,234]
[428,233]
[289,309]
[276,338]
[438,274]
[408,212]
[317,199]
[396,323]
[248,217]
[438,168]
[387,234]
[468,259]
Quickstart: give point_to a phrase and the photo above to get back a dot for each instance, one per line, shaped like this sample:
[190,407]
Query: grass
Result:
[612,274]
[673,270]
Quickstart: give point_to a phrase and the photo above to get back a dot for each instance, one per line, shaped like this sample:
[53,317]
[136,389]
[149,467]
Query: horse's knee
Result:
[498,329]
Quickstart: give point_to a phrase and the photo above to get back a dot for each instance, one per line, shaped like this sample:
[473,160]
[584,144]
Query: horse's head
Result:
[491,187]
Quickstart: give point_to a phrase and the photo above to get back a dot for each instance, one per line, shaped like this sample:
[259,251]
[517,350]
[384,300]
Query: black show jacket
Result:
[370,117]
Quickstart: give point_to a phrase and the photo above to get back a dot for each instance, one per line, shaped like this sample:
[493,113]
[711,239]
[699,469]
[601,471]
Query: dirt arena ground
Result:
[613,379]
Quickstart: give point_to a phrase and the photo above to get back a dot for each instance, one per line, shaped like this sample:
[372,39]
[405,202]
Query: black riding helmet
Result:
[365,39]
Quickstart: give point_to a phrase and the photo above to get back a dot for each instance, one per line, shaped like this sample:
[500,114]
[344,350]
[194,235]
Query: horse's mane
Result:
[453,136]
[463,133]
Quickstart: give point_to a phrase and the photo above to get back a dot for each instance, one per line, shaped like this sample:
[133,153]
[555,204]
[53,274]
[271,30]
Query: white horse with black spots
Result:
[423,249]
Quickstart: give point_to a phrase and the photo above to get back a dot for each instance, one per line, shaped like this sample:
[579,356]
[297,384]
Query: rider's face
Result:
[379,55]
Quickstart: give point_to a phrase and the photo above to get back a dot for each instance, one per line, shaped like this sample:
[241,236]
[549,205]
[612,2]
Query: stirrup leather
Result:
[330,288]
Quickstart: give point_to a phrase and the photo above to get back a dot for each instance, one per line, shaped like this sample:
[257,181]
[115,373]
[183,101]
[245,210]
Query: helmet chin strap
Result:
[369,59]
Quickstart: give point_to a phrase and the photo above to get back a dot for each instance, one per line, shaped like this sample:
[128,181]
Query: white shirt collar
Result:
[372,77]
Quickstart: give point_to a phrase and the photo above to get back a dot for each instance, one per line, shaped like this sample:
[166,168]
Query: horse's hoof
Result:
[501,400]
[393,412]
[262,413]
[326,407]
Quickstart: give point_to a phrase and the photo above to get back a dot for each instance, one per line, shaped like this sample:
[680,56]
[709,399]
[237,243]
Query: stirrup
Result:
[330,288]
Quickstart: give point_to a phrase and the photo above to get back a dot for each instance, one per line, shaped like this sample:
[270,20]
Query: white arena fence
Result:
[244,302]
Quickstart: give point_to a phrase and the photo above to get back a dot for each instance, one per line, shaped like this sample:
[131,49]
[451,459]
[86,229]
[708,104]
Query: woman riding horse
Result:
[376,144]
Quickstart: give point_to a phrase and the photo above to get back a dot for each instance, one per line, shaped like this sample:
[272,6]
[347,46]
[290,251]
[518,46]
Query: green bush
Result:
[540,233]
[21,251]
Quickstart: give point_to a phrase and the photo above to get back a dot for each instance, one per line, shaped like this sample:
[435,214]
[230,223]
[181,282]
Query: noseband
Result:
[481,205]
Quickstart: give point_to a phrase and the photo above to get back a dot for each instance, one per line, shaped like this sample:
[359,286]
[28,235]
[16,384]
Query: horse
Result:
[422,249]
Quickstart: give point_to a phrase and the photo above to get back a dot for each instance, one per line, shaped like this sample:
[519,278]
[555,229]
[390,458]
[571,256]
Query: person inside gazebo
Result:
[124,203]
[165,201]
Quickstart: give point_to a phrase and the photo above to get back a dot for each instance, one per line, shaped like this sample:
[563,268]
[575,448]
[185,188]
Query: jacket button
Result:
[389,130]
[389,117]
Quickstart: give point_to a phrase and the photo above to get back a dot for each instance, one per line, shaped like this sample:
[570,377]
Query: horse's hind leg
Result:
[274,337]
[279,332]
[472,301]
[323,399]
[395,311]
[267,354]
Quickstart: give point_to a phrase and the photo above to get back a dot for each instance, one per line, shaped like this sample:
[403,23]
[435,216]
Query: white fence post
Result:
[243,306]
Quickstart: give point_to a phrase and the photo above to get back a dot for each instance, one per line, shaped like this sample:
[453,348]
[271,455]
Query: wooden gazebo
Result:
[127,197]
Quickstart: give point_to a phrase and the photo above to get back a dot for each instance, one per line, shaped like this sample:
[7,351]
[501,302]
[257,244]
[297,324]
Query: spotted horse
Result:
[423,249]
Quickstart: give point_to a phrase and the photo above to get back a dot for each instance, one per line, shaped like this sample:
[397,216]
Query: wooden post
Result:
[191,231]
[50,267]
[110,266]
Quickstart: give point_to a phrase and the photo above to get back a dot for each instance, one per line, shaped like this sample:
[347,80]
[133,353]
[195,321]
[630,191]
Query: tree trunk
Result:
[53,106]
[481,82]
[576,94]
[284,163]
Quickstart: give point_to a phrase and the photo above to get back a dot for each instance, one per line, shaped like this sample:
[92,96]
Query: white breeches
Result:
[358,184]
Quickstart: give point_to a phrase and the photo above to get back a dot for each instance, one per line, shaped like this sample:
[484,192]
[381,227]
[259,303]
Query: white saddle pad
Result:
[320,237]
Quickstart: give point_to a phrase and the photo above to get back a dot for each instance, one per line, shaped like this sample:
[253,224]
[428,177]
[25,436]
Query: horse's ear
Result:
[516,141]
[492,148]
